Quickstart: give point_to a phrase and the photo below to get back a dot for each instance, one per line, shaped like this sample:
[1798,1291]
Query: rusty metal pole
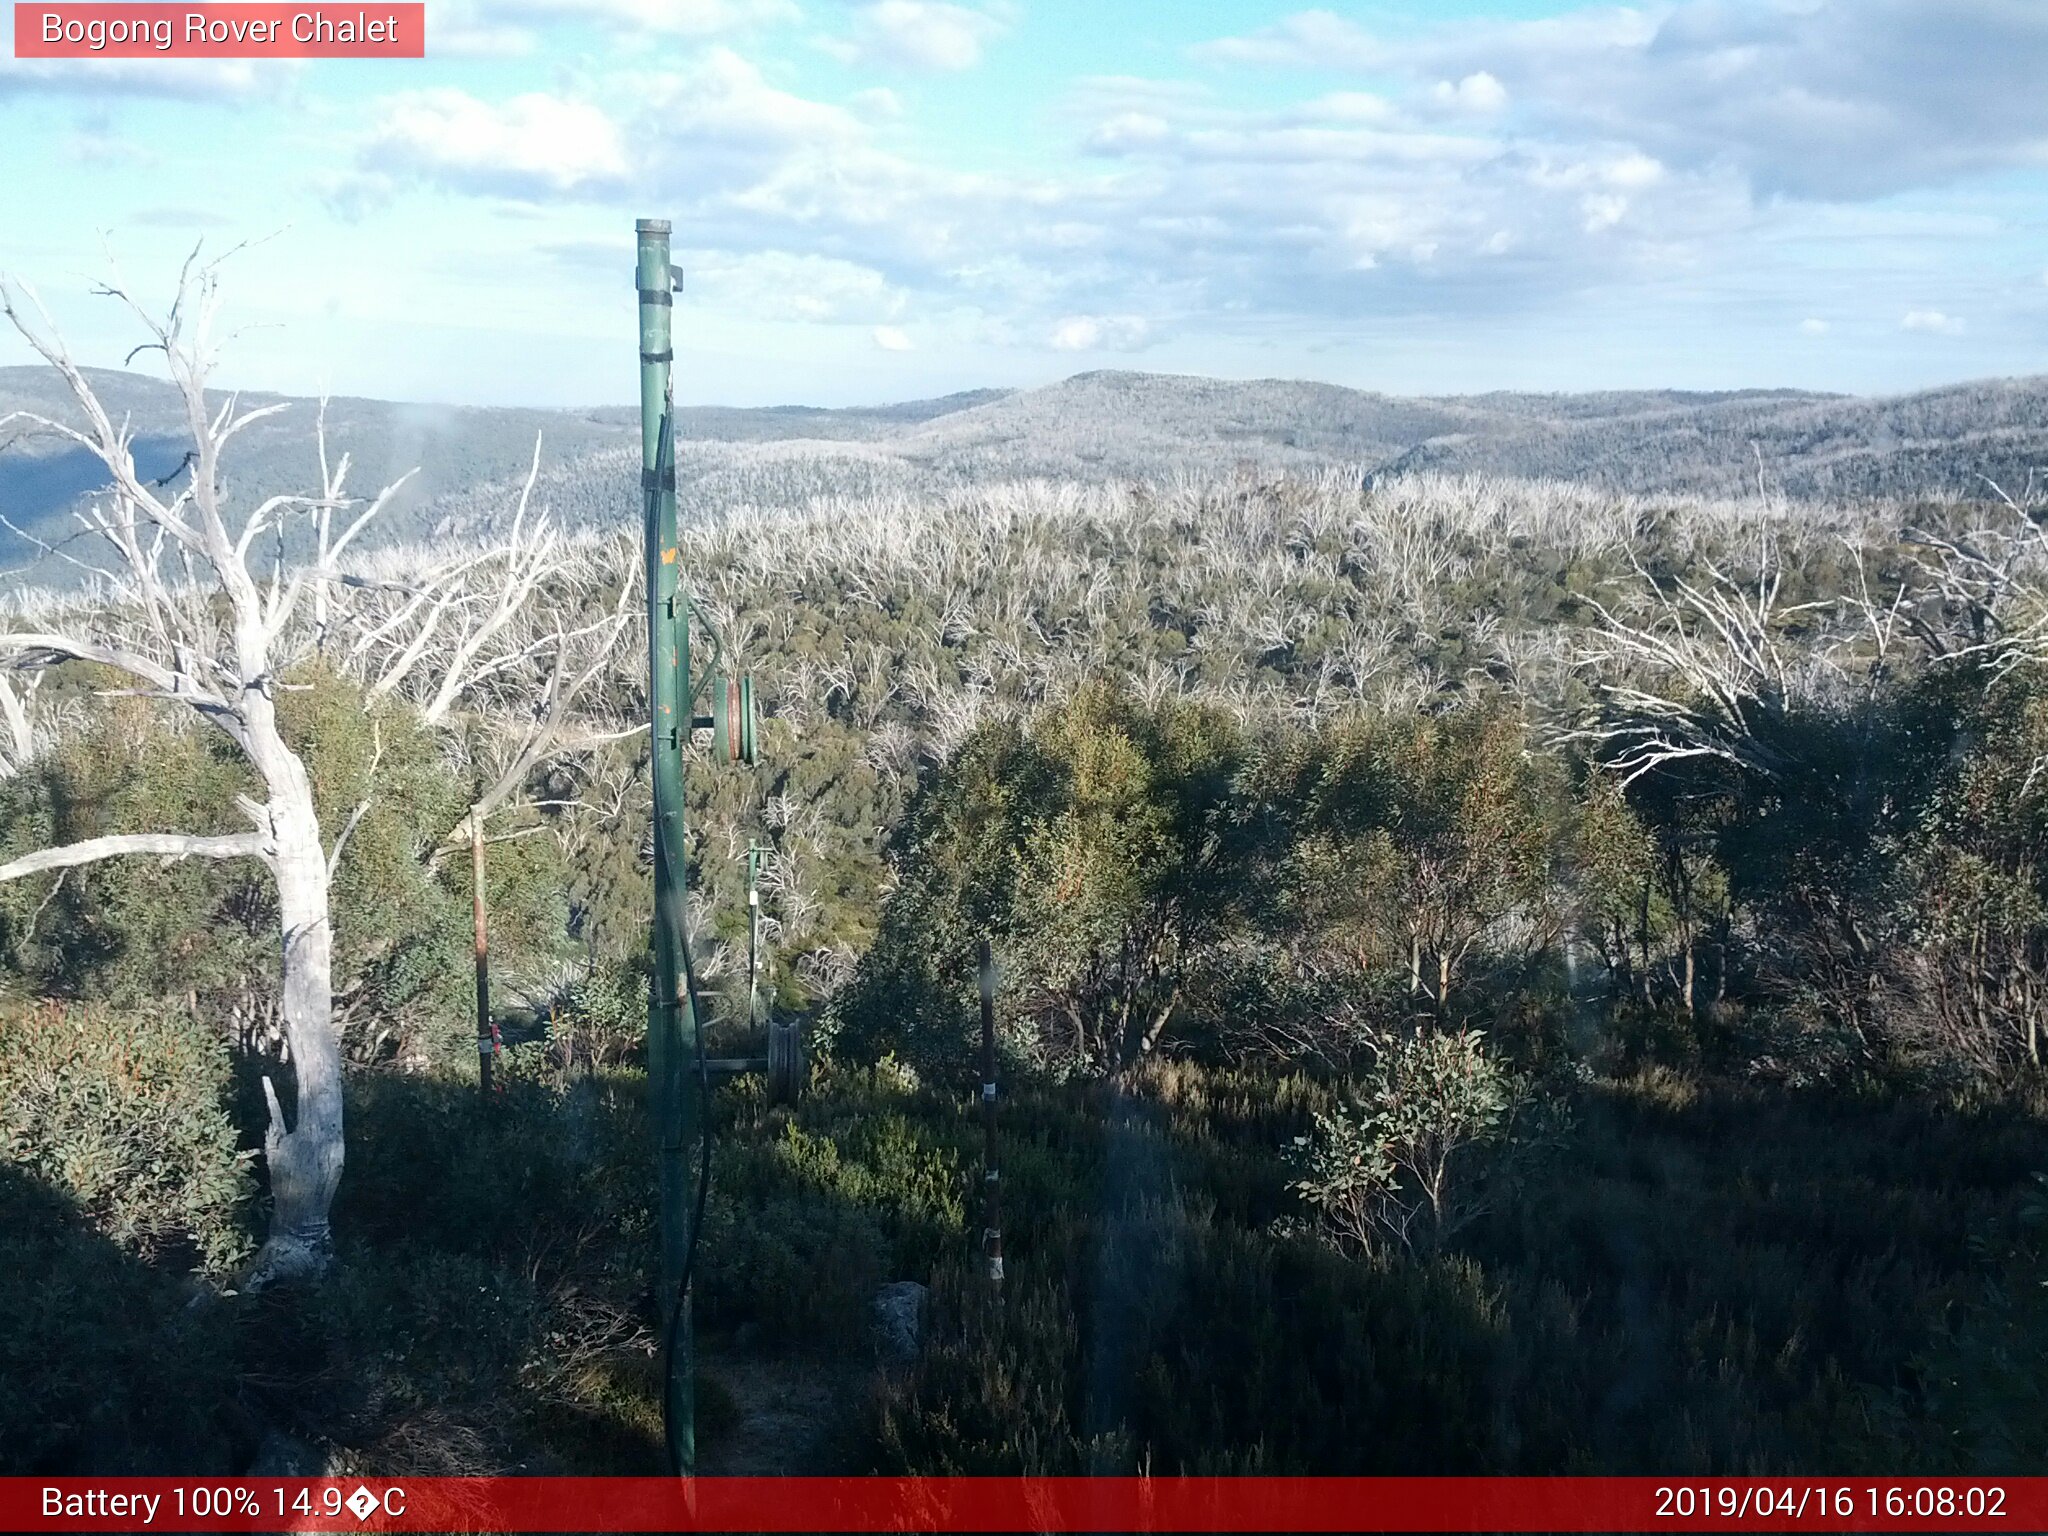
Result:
[992,1177]
[487,1042]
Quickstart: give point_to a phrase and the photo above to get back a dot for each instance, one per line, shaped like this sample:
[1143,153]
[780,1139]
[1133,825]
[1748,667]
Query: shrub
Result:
[103,1367]
[1984,1389]
[1398,1168]
[123,1112]
[601,1021]
[131,930]
[116,1156]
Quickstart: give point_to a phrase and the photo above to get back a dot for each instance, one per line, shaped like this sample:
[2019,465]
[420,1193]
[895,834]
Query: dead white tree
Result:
[17,723]
[1702,675]
[187,621]
[1987,589]
[491,641]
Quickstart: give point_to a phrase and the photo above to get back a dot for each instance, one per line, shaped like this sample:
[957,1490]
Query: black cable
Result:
[662,478]
[682,1290]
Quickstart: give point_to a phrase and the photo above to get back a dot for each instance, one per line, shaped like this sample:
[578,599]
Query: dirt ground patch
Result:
[780,1415]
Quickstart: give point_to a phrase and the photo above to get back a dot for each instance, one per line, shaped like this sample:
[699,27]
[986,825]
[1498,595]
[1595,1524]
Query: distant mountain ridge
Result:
[1092,426]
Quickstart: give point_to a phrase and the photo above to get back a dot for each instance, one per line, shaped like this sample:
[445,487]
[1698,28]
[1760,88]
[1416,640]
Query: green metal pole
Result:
[671,1024]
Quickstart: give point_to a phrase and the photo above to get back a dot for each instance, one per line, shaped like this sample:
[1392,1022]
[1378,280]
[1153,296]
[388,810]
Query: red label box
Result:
[108,29]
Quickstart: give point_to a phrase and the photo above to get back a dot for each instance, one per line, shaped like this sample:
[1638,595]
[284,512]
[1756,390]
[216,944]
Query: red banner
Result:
[1025,1504]
[213,30]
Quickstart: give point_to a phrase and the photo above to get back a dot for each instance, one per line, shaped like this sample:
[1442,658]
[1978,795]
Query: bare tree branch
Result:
[168,845]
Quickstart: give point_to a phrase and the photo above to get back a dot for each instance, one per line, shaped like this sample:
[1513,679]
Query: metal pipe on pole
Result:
[992,1175]
[753,932]
[671,1020]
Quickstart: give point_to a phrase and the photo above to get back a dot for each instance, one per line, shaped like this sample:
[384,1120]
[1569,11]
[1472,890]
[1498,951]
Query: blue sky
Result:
[884,199]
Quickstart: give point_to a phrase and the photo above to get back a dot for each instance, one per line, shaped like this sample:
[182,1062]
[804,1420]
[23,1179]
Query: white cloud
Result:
[534,142]
[1351,107]
[784,285]
[1097,95]
[1088,333]
[511,29]
[1127,131]
[891,339]
[878,103]
[482,42]
[97,147]
[1628,172]
[715,128]
[1477,92]
[916,34]
[472,29]
[1830,99]
[1076,333]
[679,18]
[1603,210]
[723,102]
[1931,321]
[1356,148]
[1811,327]
[226,81]
[1632,170]
[1308,39]
[1340,204]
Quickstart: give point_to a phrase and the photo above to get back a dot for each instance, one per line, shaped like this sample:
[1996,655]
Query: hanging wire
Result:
[665,459]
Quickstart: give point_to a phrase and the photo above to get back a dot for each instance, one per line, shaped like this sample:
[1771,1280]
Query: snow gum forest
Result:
[1521,930]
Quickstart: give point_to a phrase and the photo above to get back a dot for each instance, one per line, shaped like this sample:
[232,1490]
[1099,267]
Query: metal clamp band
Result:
[656,296]
[658,479]
[667,355]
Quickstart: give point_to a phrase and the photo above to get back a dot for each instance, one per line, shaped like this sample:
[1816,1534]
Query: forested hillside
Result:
[1494,977]
[1094,428]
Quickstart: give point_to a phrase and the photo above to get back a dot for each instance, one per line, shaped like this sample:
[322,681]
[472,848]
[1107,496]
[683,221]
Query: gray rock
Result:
[899,1321]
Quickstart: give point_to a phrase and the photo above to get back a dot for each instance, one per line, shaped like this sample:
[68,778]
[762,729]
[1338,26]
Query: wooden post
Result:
[992,1177]
[487,1042]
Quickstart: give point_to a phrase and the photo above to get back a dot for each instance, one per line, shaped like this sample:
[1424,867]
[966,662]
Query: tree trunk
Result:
[1723,931]
[1149,1041]
[305,1159]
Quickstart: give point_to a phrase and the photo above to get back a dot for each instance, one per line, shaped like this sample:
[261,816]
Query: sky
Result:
[893,199]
